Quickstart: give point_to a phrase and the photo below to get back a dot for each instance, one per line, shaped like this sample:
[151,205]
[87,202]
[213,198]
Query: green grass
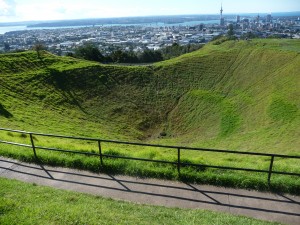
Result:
[22,203]
[239,95]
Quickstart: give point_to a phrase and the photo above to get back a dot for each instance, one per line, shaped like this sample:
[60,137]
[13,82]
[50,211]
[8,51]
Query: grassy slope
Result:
[22,203]
[237,95]
[61,94]
[245,95]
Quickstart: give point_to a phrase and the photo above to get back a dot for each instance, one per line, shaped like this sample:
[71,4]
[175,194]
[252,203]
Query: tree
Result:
[89,52]
[249,35]
[6,47]
[119,56]
[176,50]
[38,47]
[230,31]
[149,56]
[70,54]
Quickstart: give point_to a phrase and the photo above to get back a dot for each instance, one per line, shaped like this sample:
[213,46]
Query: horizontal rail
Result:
[154,145]
[67,151]
[15,131]
[14,143]
[224,167]
[139,159]
[286,173]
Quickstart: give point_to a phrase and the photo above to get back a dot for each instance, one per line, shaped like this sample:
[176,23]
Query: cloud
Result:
[7,7]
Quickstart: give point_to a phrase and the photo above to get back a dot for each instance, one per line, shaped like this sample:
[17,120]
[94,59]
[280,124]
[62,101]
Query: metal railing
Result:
[178,149]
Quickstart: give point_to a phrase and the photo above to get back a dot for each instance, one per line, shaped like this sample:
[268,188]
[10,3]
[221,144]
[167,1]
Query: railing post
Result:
[33,146]
[178,160]
[100,152]
[270,169]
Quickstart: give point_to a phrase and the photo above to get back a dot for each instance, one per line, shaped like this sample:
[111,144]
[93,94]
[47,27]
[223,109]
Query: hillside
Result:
[238,95]
[242,95]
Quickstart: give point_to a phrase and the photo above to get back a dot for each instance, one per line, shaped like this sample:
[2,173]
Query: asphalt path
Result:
[282,208]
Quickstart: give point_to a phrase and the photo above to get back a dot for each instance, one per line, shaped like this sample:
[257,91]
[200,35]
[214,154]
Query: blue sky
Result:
[24,10]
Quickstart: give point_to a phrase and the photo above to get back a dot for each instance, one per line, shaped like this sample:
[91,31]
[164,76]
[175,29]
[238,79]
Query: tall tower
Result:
[221,11]
[222,21]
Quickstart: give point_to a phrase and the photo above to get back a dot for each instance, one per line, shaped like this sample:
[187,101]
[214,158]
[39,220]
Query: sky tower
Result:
[222,21]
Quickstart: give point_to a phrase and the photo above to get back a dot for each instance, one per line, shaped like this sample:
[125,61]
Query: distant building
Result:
[238,19]
[245,20]
[269,18]
[257,18]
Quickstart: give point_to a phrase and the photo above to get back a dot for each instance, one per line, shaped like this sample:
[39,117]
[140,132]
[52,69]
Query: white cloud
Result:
[73,9]
[7,7]
[56,10]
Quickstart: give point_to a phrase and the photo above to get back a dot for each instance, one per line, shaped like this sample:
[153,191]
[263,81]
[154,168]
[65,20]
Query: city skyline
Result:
[29,10]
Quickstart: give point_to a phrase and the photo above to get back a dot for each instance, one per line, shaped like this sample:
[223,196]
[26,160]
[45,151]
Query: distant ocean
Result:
[5,29]
[13,28]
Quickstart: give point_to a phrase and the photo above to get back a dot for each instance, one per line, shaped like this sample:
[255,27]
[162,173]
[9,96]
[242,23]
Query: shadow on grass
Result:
[61,81]
[4,112]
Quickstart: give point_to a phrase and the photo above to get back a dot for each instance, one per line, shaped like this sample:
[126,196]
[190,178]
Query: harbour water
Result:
[5,29]
[11,28]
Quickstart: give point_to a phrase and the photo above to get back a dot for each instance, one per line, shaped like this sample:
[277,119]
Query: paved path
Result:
[266,206]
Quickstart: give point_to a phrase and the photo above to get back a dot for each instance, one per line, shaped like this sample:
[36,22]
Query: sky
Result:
[29,10]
